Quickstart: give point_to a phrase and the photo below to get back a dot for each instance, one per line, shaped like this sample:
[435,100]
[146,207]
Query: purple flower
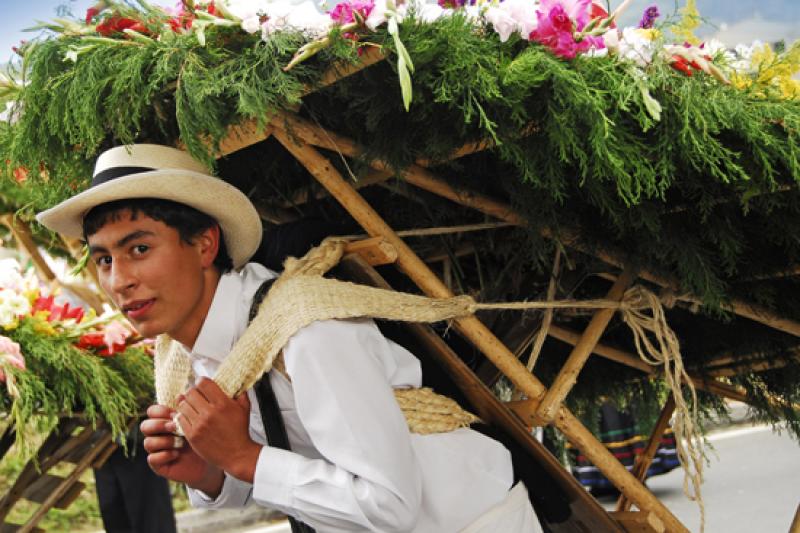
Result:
[649,17]
[344,12]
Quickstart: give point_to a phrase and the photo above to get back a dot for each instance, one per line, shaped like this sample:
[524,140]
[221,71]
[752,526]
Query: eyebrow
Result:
[123,241]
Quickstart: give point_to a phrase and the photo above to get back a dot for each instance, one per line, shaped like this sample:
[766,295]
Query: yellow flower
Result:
[690,20]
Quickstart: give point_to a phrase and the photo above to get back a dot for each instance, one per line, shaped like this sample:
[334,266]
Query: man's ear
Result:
[208,245]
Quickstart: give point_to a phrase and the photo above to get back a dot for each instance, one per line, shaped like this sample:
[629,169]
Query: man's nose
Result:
[123,277]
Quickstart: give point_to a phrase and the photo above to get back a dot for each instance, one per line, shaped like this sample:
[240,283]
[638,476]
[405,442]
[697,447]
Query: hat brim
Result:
[236,215]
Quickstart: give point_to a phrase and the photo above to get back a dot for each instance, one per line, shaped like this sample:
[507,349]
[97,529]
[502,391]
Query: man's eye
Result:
[103,260]
[139,249]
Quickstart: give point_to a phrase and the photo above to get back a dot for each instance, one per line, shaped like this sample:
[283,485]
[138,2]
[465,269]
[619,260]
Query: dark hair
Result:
[186,220]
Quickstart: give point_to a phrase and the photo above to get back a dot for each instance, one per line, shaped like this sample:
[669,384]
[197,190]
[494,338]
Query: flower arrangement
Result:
[57,359]
[568,28]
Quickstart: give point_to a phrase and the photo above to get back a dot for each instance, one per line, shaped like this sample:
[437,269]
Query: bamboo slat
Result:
[644,460]
[568,375]
[474,330]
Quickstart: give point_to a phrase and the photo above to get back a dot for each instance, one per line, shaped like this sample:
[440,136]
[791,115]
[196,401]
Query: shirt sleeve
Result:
[368,477]
[234,493]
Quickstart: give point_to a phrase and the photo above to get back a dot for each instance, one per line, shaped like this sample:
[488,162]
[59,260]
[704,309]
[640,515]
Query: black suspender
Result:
[268,405]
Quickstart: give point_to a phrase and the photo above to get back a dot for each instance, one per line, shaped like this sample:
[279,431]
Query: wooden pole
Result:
[475,330]
[795,527]
[424,179]
[26,244]
[568,375]
[645,459]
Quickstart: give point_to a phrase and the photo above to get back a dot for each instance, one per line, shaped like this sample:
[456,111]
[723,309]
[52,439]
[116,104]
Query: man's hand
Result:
[182,463]
[217,427]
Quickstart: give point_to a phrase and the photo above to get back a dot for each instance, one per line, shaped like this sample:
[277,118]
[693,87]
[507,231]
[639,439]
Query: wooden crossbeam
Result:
[645,459]
[424,179]
[639,522]
[568,375]
[473,329]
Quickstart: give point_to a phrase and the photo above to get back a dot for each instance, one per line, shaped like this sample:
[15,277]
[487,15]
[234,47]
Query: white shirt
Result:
[353,464]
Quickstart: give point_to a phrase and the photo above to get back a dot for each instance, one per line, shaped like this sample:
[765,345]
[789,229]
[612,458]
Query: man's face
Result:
[158,281]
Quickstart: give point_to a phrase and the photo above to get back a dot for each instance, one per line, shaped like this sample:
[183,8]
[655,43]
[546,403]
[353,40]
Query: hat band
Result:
[117,172]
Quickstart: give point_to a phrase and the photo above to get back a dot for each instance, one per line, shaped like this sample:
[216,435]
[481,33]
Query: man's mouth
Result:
[137,309]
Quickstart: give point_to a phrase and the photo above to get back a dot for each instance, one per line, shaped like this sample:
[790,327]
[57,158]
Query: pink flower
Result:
[10,352]
[345,12]
[115,334]
[558,20]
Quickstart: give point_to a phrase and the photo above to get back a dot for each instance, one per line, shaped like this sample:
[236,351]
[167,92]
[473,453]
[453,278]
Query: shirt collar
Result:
[216,337]
[227,317]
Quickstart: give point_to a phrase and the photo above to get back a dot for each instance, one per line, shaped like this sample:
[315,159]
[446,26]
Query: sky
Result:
[734,21]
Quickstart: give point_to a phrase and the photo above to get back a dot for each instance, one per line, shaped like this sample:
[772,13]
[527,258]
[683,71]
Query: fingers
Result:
[156,426]
[162,459]
[162,443]
[159,411]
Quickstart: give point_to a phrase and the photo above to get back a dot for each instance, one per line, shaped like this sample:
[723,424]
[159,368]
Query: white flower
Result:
[10,276]
[293,15]
[12,305]
[246,9]
[501,21]
[430,12]
[513,16]
[251,24]
[637,46]
[377,16]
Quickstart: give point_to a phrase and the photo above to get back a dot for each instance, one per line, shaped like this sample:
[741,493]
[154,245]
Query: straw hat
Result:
[153,171]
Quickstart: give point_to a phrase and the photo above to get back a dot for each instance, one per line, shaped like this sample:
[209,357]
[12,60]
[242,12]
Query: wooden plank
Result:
[473,329]
[42,488]
[62,490]
[568,375]
[639,521]
[42,463]
[375,251]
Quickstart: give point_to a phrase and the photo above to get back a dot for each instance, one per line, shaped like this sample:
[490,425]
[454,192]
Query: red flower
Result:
[680,64]
[20,174]
[56,312]
[91,13]
[94,342]
[596,11]
[116,24]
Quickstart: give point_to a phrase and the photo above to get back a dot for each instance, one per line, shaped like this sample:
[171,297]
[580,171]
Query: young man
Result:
[171,244]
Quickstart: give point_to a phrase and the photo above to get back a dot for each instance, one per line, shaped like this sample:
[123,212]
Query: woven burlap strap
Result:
[301,296]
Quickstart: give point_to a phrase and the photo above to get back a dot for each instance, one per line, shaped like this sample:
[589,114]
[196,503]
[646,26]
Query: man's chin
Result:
[147,330]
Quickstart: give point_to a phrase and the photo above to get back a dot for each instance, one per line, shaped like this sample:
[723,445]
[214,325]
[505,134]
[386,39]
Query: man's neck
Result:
[189,331]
